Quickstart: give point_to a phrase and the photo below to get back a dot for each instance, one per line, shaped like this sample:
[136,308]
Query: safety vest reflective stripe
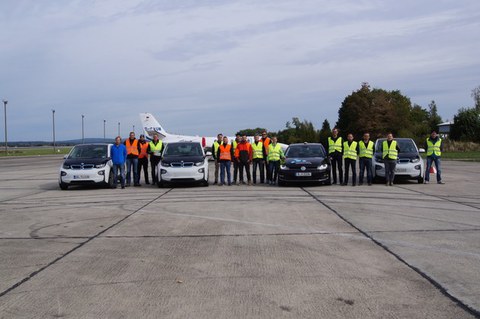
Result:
[257,150]
[274,152]
[434,148]
[143,150]
[225,152]
[391,152]
[216,145]
[155,149]
[366,152]
[132,148]
[350,151]
[334,146]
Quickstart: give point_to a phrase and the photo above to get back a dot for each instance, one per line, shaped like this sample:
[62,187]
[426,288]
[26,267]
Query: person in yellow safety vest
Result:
[133,150]
[335,151]
[259,156]
[155,148]
[215,146]
[225,155]
[235,143]
[434,148]
[266,142]
[390,152]
[350,152]
[275,154]
[143,159]
[366,149]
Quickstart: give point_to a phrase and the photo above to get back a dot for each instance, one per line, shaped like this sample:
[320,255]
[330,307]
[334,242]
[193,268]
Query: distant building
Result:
[444,128]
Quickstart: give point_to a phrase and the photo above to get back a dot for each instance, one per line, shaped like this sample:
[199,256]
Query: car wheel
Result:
[110,180]
[205,183]
[420,180]
[63,186]
[160,184]
[281,183]
[328,181]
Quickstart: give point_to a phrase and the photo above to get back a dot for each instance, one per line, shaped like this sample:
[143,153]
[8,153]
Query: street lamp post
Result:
[104,121]
[83,131]
[133,129]
[118,129]
[5,114]
[53,122]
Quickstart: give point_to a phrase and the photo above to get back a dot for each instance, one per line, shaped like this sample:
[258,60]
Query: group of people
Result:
[364,150]
[264,154]
[134,154]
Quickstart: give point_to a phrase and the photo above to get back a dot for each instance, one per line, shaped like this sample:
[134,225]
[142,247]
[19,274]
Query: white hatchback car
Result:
[409,163]
[183,162]
[87,164]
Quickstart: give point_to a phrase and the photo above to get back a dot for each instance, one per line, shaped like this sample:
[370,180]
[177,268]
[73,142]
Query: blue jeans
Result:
[437,161]
[225,167]
[365,163]
[273,167]
[132,162]
[116,169]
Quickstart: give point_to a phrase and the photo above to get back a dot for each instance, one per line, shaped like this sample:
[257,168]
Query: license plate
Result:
[401,170]
[81,176]
[303,174]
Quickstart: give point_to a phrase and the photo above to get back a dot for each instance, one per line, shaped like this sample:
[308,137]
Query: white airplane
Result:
[151,127]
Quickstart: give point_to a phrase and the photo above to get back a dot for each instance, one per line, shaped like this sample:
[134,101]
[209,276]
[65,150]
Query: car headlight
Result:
[322,167]
[415,160]
[65,166]
[283,167]
[100,165]
[198,163]
[165,164]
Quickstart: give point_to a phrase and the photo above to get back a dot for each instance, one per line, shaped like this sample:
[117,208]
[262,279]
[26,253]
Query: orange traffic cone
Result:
[433,170]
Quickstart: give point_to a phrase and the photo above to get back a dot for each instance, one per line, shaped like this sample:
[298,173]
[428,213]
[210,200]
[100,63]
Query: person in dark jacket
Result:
[390,151]
[215,146]
[259,157]
[243,156]
[118,153]
[133,150]
[335,151]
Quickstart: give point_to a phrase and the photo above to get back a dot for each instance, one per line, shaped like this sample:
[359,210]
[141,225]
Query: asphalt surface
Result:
[407,251]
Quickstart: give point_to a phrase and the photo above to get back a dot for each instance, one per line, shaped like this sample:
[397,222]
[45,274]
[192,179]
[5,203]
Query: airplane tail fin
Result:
[151,126]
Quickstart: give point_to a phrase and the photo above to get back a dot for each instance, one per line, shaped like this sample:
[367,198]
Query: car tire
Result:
[328,181]
[110,182]
[282,183]
[205,183]
[420,180]
[160,184]
[63,186]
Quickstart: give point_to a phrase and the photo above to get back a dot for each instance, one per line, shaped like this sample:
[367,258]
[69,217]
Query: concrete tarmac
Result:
[407,251]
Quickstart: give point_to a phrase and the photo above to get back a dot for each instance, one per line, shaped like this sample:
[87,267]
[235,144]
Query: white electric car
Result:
[183,162]
[409,163]
[87,164]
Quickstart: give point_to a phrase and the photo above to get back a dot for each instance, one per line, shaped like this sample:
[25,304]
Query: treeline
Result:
[378,112]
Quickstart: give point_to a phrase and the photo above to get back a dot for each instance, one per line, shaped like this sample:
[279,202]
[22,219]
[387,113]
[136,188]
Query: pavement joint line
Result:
[440,197]
[78,246]
[435,283]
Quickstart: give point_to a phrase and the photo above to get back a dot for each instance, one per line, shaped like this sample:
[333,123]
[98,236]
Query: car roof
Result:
[93,144]
[183,142]
[301,144]
[398,139]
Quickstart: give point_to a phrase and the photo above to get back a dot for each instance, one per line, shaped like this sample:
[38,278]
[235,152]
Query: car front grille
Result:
[82,166]
[182,164]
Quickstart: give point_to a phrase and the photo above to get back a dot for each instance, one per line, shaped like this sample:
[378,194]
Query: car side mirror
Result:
[421,150]
[65,156]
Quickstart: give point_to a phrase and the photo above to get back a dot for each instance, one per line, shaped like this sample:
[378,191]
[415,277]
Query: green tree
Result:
[251,131]
[325,132]
[378,111]
[476,97]
[301,131]
[433,118]
[466,125]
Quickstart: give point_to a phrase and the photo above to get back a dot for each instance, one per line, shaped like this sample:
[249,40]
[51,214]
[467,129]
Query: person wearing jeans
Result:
[434,149]
[225,156]
[366,149]
[390,152]
[133,150]
[118,154]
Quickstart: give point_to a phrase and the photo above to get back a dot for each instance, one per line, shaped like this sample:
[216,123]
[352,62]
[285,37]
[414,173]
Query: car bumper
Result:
[79,177]
[183,174]
[408,170]
[297,175]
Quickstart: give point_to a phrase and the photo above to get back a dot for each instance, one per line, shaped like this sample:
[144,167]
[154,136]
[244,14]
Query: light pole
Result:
[83,131]
[133,129]
[53,122]
[104,121]
[5,114]
[118,129]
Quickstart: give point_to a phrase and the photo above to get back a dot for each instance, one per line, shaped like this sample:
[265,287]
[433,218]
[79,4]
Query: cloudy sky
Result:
[203,67]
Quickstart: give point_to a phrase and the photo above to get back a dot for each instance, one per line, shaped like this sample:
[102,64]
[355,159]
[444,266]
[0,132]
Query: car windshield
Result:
[305,151]
[89,151]
[406,146]
[183,149]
